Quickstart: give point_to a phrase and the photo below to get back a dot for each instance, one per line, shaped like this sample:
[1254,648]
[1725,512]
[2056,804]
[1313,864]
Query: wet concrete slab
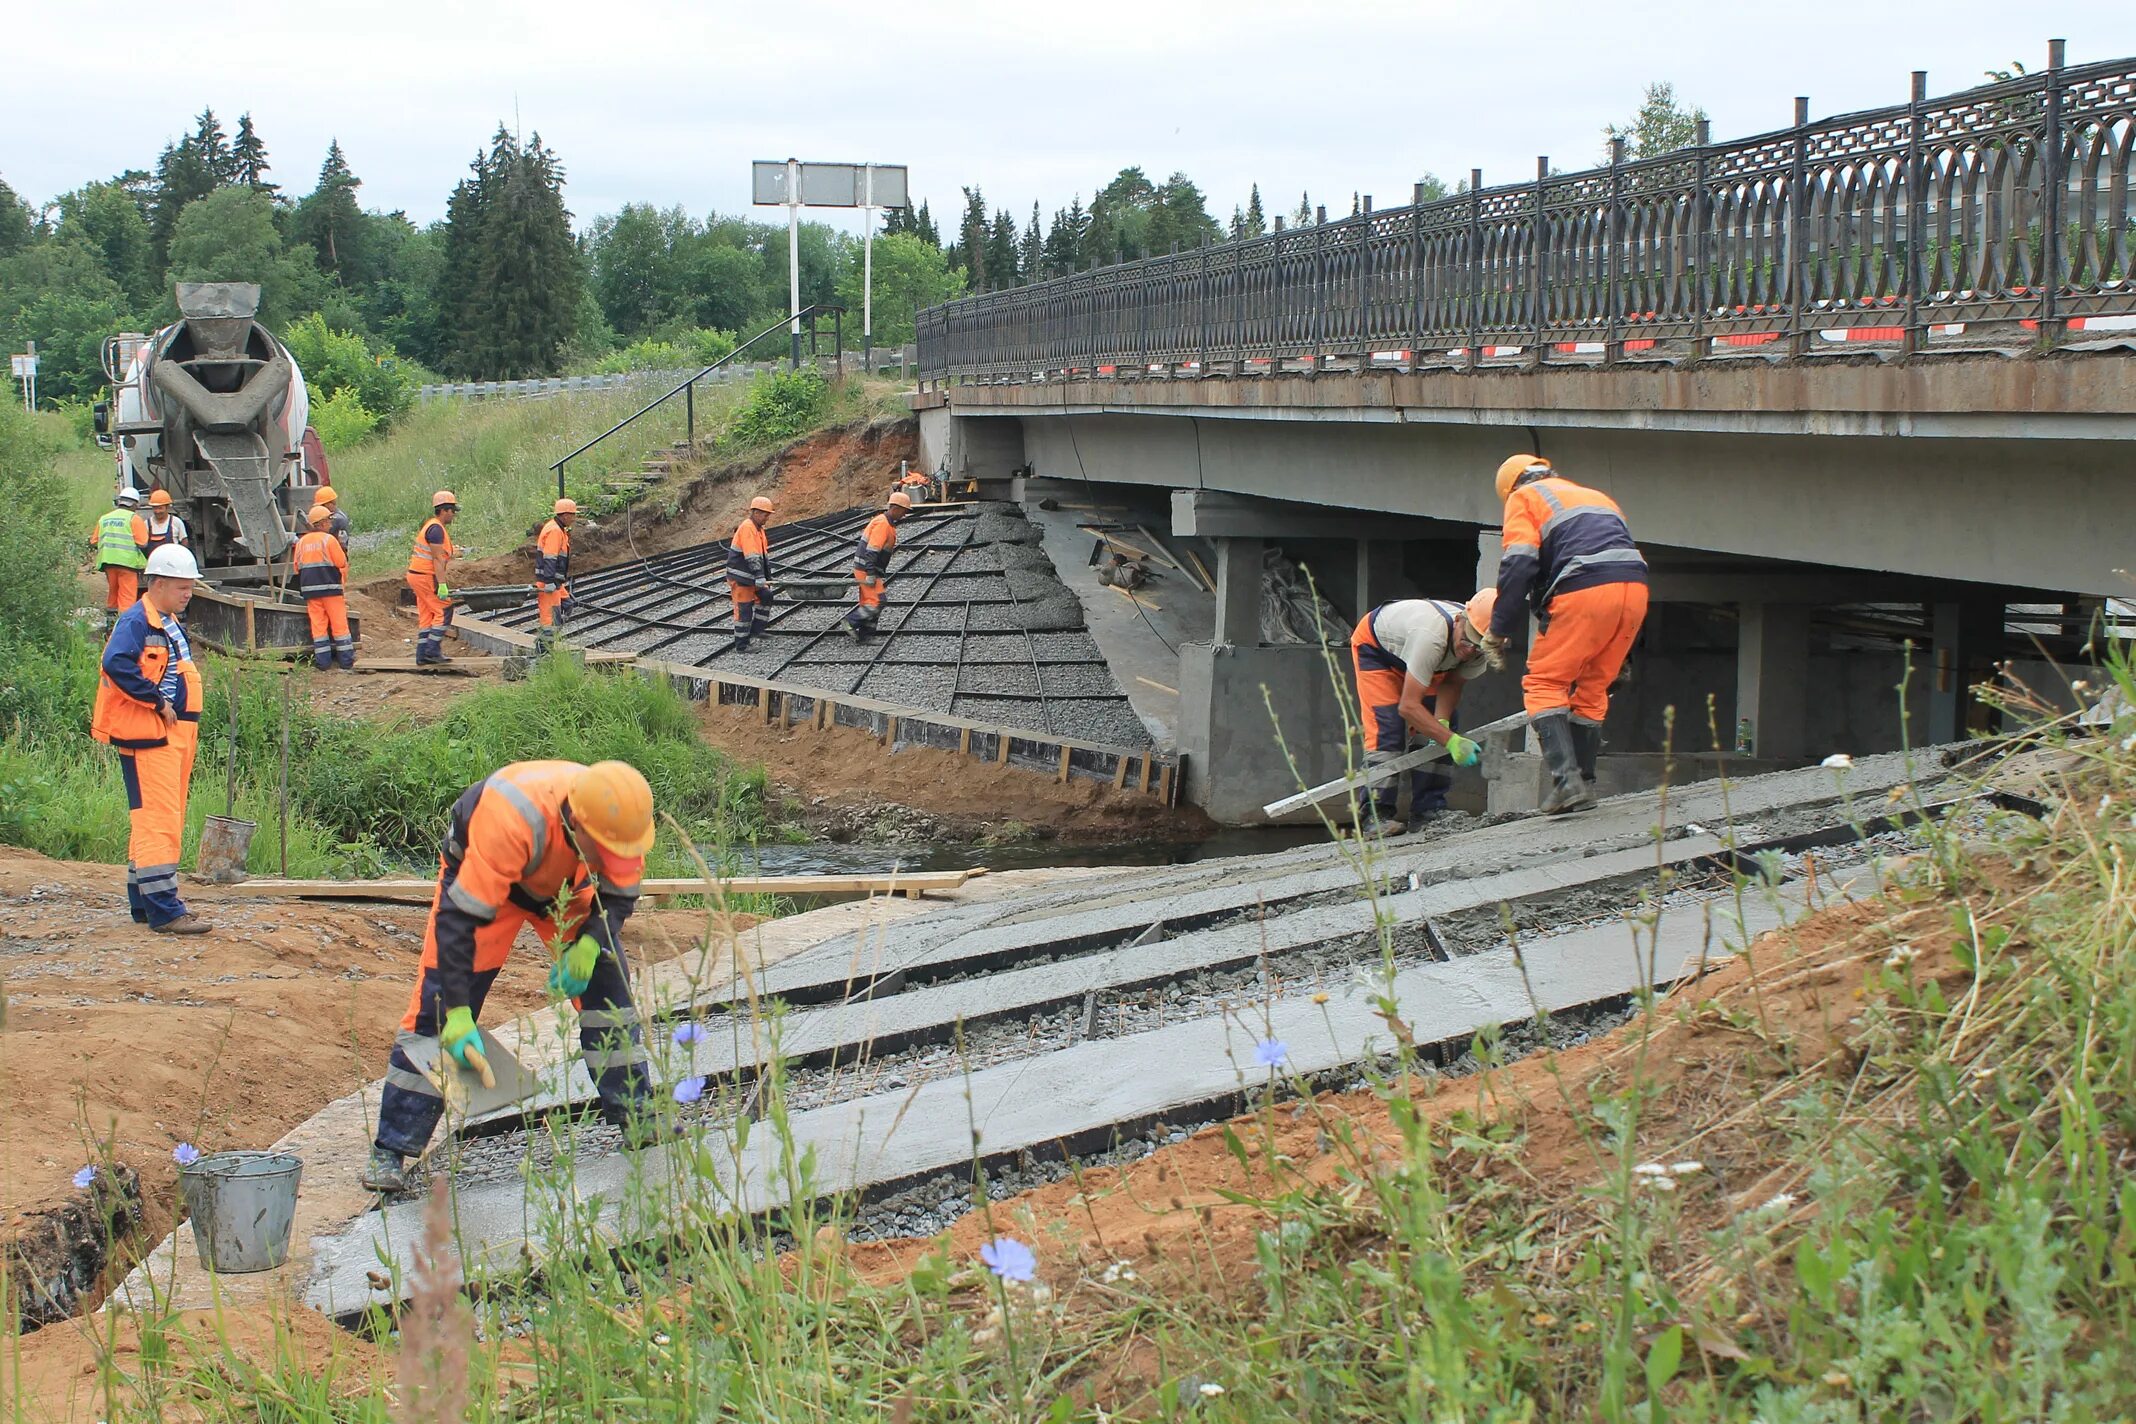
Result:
[1076,1095]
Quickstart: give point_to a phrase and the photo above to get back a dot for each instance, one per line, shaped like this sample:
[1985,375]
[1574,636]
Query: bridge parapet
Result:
[2001,215]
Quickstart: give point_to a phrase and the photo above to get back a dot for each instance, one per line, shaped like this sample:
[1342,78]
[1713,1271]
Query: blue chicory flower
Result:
[185,1154]
[1009,1258]
[689,1090]
[85,1176]
[689,1033]
[1271,1052]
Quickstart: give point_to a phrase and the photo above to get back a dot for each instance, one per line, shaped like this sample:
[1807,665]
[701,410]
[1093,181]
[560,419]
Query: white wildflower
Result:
[2080,687]
[1211,1391]
[1650,1169]
[1899,958]
[1838,761]
[1778,1202]
[1662,1184]
[1685,1169]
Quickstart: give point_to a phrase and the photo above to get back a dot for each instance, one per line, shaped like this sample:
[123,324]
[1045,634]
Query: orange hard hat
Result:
[1479,610]
[1513,467]
[761,503]
[324,495]
[566,506]
[443,498]
[318,514]
[160,499]
[612,804]
[901,500]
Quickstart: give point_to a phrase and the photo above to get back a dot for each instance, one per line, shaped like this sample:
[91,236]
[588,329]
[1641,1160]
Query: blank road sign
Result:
[830,185]
[24,366]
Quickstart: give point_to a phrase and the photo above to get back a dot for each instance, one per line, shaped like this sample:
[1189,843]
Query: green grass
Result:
[1927,1213]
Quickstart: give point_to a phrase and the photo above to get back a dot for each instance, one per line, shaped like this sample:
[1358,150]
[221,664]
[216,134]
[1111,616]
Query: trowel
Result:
[499,1081]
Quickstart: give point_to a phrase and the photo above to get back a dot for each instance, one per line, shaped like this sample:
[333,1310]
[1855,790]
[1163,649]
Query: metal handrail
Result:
[689,386]
[2007,206]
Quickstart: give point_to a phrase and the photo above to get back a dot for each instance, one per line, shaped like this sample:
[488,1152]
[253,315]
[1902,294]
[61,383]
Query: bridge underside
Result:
[1814,531]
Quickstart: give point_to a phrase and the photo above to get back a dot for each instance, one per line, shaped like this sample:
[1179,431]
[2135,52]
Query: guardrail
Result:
[881,361]
[2006,206]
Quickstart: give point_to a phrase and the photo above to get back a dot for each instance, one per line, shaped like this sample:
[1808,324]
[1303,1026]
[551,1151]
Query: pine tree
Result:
[1031,252]
[1256,220]
[330,219]
[248,158]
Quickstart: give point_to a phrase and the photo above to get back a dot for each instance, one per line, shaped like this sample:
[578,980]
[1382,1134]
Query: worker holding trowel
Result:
[533,834]
[749,573]
[1412,657]
[1568,555]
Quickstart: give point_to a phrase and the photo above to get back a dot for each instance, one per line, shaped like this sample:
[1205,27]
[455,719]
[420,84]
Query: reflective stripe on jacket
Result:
[1559,537]
[552,557]
[321,566]
[877,542]
[120,535]
[137,660]
[748,556]
[508,842]
[423,559]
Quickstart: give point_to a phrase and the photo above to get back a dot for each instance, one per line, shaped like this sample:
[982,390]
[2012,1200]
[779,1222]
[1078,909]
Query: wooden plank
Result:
[1002,748]
[964,741]
[1164,787]
[1062,775]
[1147,758]
[421,891]
[1159,549]
[1208,579]
[890,732]
[1120,771]
[252,632]
[1134,598]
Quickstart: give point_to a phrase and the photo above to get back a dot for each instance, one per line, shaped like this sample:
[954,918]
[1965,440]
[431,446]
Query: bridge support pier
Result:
[1773,678]
[1238,591]
[1964,637]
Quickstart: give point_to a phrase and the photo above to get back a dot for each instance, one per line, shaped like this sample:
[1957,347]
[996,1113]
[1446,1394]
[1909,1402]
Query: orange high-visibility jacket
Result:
[552,557]
[423,559]
[1559,537]
[877,543]
[321,566]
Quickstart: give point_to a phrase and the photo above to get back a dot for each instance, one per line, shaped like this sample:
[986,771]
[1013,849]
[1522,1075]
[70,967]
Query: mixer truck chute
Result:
[213,409]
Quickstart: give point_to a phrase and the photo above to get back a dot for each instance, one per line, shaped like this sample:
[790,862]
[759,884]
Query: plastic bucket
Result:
[243,1205]
[224,843]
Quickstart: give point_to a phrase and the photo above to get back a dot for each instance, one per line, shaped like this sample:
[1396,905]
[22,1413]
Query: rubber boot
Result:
[1587,749]
[1567,791]
[385,1172]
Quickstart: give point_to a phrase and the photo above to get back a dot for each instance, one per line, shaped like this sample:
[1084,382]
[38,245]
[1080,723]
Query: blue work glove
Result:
[1462,751]
[460,1035]
[570,975]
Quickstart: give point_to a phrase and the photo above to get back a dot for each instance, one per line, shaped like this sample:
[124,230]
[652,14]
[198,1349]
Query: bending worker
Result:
[749,573]
[1412,658]
[119,547]
[871,566]
[552,571]
[1569,556]
[430,574]
[530,833]
[148,698]
[322,573]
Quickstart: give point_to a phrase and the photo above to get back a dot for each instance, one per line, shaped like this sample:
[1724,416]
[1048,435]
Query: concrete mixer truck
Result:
[213,409]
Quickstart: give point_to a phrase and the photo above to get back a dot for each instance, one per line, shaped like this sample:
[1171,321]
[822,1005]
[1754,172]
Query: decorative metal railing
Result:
[2005,207]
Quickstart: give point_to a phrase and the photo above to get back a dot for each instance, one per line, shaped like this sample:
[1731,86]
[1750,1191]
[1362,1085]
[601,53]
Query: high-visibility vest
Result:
[552,557]
[424,558]
[748,555]
[320,565]
[115,546]
[877,542]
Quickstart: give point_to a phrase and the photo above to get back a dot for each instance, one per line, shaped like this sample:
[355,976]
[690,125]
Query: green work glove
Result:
[443,591]
[1463,751]
[570,975]
[461,1034]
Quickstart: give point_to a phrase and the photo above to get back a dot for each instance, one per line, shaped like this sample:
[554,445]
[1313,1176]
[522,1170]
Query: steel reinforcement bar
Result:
[2006,207]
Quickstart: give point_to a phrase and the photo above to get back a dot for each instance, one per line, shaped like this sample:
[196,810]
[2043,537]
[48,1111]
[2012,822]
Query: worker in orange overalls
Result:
[322,572]
[1569,555]
[160,527]
[749,573]
[148,699]
[518,840]
[118,546]
[1412,658]
[429,574]
[552,571]
[871,566]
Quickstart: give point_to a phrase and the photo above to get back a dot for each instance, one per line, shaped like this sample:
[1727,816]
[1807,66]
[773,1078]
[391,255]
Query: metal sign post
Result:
[24,367]
[795,185]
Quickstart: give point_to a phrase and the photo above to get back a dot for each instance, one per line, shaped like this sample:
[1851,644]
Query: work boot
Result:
[1567,791]
[187,924]
[741,644]
[1586,750]
[385,1171]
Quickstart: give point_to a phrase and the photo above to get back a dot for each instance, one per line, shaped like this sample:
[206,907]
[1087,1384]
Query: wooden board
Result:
[914,884]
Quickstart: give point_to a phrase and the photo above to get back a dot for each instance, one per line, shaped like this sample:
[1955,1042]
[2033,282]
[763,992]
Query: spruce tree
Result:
[1304,216]
[457,295]
[1001,246]
[529,264]
[214,148]
[330,219]
[248,158]
[182,177]
[972,232]
[924,227]
[1256,220]
[1031,252]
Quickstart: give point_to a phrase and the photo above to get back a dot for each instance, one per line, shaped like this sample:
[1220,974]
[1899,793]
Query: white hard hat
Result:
[129,495]
[172,561]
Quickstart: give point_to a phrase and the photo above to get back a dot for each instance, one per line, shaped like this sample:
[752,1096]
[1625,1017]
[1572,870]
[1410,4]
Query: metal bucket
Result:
[243,1205]
[224,843]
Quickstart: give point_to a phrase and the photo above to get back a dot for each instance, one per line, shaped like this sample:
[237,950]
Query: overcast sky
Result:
[662,101]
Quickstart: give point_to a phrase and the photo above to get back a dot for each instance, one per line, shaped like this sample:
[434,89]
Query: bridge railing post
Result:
[1703,293]
[2054,182]
[1416,276]
[1913,273]
[1364,268]
[1614,235]
[1475,268]
[1797,284]
[1317,330]
[1538,269]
